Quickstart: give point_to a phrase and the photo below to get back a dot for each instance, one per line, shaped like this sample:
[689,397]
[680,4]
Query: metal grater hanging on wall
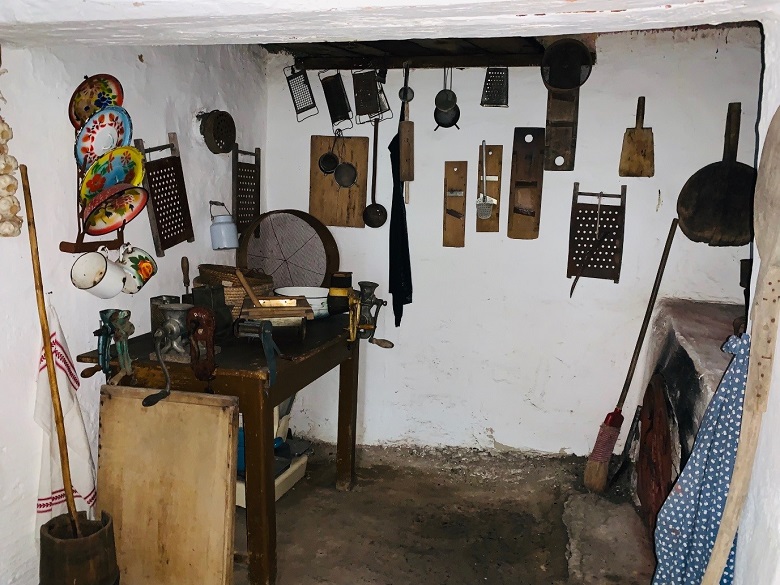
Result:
[169,211]
[495,91]
[596,235]
[300,91]
[336,98]
[370,100]
[246,187]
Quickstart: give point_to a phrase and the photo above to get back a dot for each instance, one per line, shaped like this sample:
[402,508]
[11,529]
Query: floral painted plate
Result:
[113,207]
[120,165]
[94,94]
[105,130]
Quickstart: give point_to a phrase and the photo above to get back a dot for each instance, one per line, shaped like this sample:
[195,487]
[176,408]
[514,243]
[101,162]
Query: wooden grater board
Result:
[331,204]
[525,187]
[561,132]
[494,154]
[455,179]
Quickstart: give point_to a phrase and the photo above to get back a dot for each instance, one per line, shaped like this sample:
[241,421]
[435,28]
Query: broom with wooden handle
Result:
[59,421]
[597,467]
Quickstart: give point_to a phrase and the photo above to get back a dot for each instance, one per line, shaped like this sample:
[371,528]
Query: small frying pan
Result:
[716,204]
[345,174]
[328,161]
[446,118]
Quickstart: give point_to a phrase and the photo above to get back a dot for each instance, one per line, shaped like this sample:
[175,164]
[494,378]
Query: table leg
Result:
[345,447]
[260,501]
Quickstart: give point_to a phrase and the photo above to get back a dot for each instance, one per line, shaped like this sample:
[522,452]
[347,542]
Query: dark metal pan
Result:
[345,174]
[716,204]
[328,161]
[446,118]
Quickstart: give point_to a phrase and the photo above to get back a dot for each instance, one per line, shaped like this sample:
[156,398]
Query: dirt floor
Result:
[454,516]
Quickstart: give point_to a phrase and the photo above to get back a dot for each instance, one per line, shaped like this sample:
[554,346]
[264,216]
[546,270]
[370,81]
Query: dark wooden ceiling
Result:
[417,53]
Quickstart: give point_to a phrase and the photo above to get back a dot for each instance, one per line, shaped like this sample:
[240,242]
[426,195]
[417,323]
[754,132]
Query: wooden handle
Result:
[648,313]
[247,288]
[185,271]
[373,169]
[90,371]
[731,137]
[59,422]
[759,382]
[640,111]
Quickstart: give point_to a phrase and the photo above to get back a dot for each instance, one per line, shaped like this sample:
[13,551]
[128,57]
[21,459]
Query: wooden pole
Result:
[59,421]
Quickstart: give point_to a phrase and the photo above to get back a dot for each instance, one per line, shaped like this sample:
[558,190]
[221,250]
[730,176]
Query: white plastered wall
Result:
[164,89]
[493,352]
[43,23]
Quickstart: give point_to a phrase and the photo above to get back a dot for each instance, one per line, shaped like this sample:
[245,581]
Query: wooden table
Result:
[242,371]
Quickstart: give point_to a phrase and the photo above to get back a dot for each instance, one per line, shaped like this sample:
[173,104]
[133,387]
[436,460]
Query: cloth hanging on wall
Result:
[51,491]
[689,519]
[400,262]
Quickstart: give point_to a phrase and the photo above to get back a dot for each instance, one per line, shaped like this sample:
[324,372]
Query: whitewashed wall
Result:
[162,93]
[493,353]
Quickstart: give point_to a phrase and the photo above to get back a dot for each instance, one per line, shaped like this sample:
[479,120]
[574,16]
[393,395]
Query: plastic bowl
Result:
[316,295]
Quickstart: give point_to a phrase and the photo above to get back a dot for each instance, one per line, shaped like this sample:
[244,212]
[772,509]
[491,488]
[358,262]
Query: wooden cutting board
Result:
[167,476]
[331,204]
[637,158]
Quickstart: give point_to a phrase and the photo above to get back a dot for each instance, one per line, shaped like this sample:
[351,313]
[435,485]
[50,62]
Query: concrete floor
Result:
[454,517]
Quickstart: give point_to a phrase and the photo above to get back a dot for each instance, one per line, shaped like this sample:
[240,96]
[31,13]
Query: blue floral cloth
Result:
[689,519]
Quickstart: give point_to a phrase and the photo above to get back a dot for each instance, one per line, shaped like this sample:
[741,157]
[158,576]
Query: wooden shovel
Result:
[637,159]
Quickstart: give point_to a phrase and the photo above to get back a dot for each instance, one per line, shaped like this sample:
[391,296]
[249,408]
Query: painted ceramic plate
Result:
[120,165]
[94,94]
[105,130]
[113,207]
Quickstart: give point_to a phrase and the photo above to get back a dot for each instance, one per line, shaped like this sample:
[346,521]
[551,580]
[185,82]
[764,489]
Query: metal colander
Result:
[495,91]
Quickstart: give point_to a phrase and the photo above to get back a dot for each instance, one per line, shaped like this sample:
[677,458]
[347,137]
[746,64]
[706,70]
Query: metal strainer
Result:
[484,202]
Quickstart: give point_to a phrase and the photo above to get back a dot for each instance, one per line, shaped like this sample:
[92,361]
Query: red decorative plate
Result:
[114,206]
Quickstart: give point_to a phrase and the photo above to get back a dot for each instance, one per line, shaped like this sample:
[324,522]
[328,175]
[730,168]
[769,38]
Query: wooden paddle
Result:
[637,159]
[765,315]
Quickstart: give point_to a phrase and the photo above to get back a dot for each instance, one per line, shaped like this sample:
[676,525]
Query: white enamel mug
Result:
[96,274]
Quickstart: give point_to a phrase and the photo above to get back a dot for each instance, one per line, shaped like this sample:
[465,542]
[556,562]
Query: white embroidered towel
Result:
[51,492]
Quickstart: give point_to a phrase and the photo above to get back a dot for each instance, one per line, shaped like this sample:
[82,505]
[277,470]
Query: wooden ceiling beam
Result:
[422,62]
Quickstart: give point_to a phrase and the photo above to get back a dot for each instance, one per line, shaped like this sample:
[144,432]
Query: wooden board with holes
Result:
[167,476]
[493,184]
[454,221]
[331,204]
[561,130]
[525,186]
